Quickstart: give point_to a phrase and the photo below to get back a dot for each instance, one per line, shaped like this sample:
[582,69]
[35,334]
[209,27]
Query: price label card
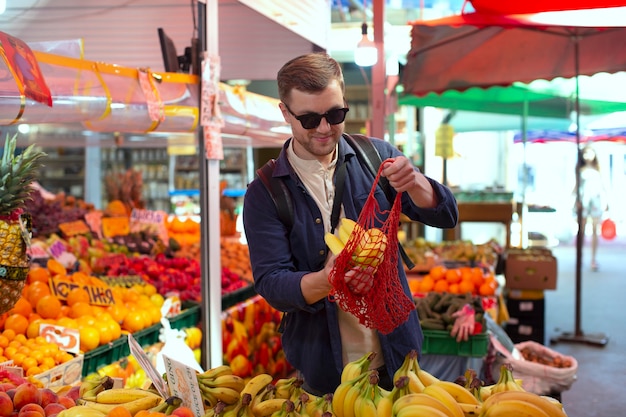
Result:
[183,383]
[98,295]
[66,338]
[74,228]
[137,351]
[152,221]
[115,226]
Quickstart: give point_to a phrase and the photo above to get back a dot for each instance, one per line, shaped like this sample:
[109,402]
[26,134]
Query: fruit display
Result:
[454,252]
[461,280]
[435,310]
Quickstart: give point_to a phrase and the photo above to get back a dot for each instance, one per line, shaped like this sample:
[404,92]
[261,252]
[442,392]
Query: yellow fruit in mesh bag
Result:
[373,245]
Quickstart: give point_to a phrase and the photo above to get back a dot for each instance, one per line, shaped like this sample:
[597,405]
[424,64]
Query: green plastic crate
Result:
[439,342]
[188,317]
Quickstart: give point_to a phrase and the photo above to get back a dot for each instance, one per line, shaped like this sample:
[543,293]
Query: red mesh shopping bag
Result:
[377,298]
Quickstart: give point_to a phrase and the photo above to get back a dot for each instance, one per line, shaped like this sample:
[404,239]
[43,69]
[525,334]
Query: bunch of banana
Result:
[400,389]
[366,246]
[345,395]
[506,382]
[422,404]
[367,403]
[81,411]
[521,404]
[287,410]
[318,406]
[132,399]
[357,367]
[411,367]
[446,392]
[168,406]
[243,406]
[220,384]
[90,387]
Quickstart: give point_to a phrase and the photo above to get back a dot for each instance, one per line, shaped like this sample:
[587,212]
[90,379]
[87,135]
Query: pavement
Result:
[601,377]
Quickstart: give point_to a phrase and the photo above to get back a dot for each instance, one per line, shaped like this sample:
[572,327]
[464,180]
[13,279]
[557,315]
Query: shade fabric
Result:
[483,50]
[536,6]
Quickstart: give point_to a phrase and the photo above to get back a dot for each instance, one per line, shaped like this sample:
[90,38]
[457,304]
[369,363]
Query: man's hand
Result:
[360,279]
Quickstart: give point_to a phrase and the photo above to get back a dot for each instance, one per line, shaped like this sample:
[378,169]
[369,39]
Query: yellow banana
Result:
[553,401]
[551,409]
[418,399]
[334,243]
[384,407]
[426,377]
[357,367]
[471,410]
[223,394]
[415,384]
[215,372]
[446,398]
[228,381]
[340,396]
[421,410]
[319,405]
[506,381]
[81,411]
[350,401]
[364,407]
[267,407]
[123,395]
[517,408]
[133,407]
[347,227]
[256,384]
[284,386]
[93,386]
[373,247]
[460,394]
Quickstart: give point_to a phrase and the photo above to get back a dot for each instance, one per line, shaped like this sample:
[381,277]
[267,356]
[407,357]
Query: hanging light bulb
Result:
[365,54]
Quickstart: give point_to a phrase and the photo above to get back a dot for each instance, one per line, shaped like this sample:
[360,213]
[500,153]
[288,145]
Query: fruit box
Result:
[530,269]
[68,373]
[440,342]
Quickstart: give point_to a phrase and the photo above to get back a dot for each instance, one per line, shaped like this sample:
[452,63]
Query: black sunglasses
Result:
[313,120]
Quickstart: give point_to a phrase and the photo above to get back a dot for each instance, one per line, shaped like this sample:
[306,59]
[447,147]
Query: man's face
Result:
[318,142]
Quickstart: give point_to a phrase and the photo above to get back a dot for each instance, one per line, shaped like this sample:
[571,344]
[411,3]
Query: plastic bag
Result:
[369,287]
[538,378]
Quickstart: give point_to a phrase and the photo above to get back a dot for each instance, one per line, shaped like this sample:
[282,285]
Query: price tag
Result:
[98,295]
[74,228]
[115,226]
[66,338]
[183,383]
[151,221]
[137,351]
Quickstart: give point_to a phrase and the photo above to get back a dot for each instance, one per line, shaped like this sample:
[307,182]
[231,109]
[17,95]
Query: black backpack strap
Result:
[278,191]
[368,155]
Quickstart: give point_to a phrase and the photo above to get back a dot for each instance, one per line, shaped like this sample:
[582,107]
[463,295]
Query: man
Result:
[291,265]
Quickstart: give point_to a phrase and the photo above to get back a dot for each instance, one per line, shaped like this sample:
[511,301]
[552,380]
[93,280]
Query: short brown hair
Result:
[310,73]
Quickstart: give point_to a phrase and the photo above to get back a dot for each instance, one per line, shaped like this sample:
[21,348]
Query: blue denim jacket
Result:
[281,256]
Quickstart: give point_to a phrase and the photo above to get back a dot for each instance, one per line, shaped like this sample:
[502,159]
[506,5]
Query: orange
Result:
[453,276]
[80,309]
[89,338]
[466,286]
[488,287]
[17,323]
[28,362]
[133,321]
[4,341]
[149,289]
[117,312]
[32,330]
[35,370]
[9,334]
[55,267]
[67,322]
[80,278]
[35,291]
[438,272]
[77,294]
[427,283]
[38,273]
[115,329]
[87,320]
[104,330]
[478,277]
[453,288]
[18,358]
[49,307]
[441,285]
[22,306]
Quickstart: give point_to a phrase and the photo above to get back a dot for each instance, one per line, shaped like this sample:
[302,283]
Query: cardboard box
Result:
[68,373]
[530,269]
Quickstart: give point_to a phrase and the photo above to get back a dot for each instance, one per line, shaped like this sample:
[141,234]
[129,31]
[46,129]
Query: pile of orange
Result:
[461,280]
[34,355]
[135,308]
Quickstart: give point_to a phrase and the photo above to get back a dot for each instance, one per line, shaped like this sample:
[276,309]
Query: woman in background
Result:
[592,197]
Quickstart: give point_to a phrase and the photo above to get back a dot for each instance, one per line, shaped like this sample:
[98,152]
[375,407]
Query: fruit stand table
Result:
[491,212]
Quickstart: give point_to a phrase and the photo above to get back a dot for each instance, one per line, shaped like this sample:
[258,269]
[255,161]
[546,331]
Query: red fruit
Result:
[6,404]
[53,409]
[66,401]
[48,397]
[73,392]
[32,410]
[183,411]
[26,393]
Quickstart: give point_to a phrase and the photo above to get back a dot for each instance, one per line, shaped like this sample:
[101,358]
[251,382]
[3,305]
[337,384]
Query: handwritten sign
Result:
[67,339]
[183,383]
[98,295]
[115,226]
[151,221]
[146,364]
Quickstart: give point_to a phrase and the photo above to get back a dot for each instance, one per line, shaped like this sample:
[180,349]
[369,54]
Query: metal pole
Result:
[211,319]
[378,73]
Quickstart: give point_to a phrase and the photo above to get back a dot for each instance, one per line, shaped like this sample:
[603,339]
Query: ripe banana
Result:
[319,405]
[344,393]
[223,394]
[81,411]
[471,410]
[421,411]
[357,367]
[334,243]
[89,388]
[256,384]
[426,377]
[418,399]
[549,407]
[350,401]
[133,407]
[460,394]
[506,381]
[415,384]
[268,407]
[122,395]
[373,245]
[348,227]
[216,372]
[517,408]
[284,387]
[446,398]
[384,407]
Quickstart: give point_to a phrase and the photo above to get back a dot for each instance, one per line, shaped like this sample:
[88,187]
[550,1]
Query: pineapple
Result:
[16,176]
